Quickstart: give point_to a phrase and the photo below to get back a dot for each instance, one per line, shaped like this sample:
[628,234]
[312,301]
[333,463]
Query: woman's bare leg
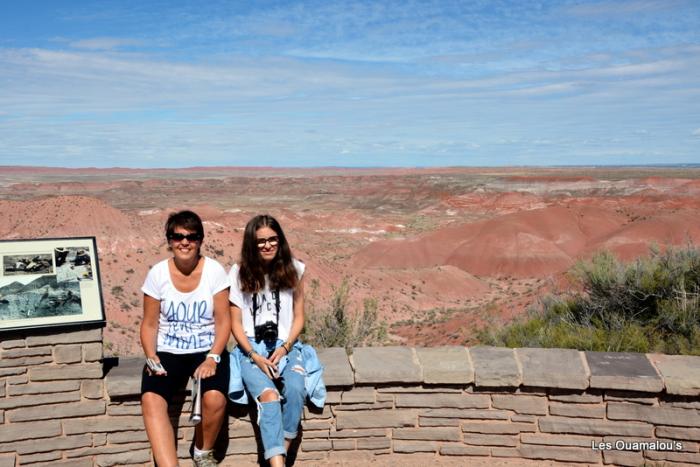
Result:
[159,430]
[213,413]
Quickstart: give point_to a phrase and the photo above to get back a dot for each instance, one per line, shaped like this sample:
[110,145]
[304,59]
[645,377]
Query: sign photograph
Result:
[49,282]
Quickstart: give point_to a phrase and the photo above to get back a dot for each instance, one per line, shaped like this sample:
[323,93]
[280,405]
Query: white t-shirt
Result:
[266,310]
[186,323]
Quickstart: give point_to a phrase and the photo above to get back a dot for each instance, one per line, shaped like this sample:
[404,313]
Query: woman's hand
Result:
[206,369]
[154,367]
[278,354]
[149,332]
[266,365]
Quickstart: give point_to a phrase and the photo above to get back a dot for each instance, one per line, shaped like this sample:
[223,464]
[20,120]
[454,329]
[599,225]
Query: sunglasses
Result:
[178,237]
[273,241]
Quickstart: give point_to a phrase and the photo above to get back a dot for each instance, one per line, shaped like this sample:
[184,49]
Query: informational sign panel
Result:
[49,282]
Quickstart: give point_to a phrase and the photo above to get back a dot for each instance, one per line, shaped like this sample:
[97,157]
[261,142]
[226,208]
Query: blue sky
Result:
[344,83]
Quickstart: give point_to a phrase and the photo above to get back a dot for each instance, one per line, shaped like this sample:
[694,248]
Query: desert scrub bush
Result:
[335,326]
[649,305]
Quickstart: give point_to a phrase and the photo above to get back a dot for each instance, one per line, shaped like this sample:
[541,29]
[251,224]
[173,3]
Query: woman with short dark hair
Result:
[186,325]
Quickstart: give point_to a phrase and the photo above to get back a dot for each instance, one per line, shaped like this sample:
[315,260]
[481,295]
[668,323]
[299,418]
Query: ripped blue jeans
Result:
[278,419]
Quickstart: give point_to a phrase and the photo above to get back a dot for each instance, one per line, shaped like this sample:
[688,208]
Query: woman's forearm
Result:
[149,326]
[222,322]
[220,338]
[148,336]
[297,327]
[298,309]
[238,331]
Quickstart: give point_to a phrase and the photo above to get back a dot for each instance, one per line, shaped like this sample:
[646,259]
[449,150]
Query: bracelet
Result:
[250,355]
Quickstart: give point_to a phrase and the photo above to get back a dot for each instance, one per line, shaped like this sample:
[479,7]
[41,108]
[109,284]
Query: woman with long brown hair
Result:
[267,316]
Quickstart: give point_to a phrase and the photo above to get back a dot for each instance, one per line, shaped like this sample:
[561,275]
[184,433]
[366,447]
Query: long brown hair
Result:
[280,271]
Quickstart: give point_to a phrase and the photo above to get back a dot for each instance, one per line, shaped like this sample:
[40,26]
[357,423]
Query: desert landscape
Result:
[443,251]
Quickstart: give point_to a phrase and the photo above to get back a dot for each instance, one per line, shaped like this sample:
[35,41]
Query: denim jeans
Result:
[277,419]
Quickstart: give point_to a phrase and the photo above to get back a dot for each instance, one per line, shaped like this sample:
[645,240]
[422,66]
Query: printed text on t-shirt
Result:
[190,312]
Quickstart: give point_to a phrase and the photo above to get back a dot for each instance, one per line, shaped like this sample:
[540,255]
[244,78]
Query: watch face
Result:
[215,357]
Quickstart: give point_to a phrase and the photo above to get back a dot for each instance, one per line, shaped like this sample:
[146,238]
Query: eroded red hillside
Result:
[441,251]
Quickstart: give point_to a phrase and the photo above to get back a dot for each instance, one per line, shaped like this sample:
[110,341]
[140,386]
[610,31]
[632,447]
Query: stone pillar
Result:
[49,378]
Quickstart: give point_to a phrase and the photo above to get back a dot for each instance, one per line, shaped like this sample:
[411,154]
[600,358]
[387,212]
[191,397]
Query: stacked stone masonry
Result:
[448,405]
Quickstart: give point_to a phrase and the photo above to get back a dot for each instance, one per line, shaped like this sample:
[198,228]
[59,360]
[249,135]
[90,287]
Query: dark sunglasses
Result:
[178,237]
[274,241]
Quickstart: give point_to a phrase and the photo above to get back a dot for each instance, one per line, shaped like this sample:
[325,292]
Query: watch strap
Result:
[214,356]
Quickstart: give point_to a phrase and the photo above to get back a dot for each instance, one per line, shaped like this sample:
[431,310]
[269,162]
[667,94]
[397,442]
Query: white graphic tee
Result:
[186,323]
[266,304]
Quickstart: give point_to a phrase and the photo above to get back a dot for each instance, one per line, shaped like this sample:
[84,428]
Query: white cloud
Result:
[375,79]
[104,43]
[546,89]
[622,8]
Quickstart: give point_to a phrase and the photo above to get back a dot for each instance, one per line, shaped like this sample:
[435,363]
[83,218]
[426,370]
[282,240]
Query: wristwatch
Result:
[215,356]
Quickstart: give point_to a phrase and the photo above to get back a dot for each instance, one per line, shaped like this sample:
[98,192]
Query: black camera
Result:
[266,332]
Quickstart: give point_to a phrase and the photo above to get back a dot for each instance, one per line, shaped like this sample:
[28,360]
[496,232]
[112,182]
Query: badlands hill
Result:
[440,250]
[533,243]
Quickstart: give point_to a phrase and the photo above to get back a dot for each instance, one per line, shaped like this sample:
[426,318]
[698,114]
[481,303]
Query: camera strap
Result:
[276,294]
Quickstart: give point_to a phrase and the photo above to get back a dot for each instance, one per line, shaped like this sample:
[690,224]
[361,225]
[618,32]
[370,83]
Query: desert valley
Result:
[442,251]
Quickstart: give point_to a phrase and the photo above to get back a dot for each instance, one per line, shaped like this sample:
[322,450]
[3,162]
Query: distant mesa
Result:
[633,240]
[503,202]
[548,178]
[532,243]
[662,182]
[692,187]
[70,215]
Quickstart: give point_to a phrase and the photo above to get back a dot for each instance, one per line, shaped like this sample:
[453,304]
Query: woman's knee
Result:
[213,401]
[153,404]
[269,395]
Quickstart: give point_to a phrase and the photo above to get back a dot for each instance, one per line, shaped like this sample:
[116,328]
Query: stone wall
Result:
[449,405]
[51,383]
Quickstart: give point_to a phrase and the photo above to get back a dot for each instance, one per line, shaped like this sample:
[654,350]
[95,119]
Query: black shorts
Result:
[180,368]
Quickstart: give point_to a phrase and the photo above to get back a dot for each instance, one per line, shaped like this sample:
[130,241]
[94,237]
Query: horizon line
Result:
[339,167]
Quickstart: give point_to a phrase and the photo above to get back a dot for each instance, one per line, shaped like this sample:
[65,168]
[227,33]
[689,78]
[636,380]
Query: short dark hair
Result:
[185,219]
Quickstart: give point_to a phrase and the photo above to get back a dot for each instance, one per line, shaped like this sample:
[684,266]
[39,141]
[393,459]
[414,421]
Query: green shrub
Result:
[649,305]
[335,326]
